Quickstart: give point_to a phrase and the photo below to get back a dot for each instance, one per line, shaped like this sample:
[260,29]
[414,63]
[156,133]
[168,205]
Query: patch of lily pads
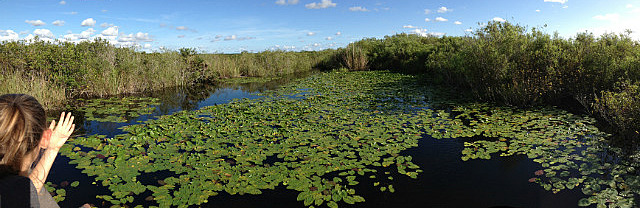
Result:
[116,109]
[320,145]
[573,153]
[59,191]
[321,135]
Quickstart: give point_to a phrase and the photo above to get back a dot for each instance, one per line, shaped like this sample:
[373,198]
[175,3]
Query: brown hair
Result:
[22,123]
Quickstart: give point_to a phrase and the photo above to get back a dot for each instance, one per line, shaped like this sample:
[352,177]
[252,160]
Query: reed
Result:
[98,69]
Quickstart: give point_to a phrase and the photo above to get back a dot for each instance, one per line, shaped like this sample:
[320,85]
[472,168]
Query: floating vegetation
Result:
[320,145]
[59,191]
[322,135]
[117,109]
[570,149]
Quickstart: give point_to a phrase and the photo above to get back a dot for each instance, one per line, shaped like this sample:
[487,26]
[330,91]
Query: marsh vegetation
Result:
[332,137]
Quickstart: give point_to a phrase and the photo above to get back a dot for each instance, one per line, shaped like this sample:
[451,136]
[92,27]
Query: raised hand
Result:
[62,131]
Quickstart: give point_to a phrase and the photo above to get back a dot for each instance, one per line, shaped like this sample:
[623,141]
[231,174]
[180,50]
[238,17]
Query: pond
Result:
[363,139]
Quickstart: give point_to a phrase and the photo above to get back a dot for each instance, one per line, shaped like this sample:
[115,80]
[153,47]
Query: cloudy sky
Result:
[230,26]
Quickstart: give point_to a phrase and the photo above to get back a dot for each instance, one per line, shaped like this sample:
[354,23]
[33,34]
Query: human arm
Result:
[58,136]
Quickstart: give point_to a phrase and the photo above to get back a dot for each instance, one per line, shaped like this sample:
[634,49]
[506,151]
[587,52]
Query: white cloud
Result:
[437,33]
[444,10]
[565,6]
[329,38]
[246,38]
[427,11]
[409,26]
[111,31]
[457,22]
[311,34]
[420,32]
[427,19]
[557,1]
[43,33]
[71,37]
[182,28]
[71,13]
[8,35]
[86,34]
[358,9]
[90,22]
[35,22]
[147,46]
[322,5]
[23,32]
[498,19]
[441,19]
[616,23]
[58,23]
[104,24]
[537,10]
[338,33]
[104,11]
[468,30]
[235,37]
[143,37]
[608,17]
[62,2]
[288,2]
[629,6]
[127,38]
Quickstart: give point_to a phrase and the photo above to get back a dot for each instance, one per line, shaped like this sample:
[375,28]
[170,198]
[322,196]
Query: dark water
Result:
[447,181]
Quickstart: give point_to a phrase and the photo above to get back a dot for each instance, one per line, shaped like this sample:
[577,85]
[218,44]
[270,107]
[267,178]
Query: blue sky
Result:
[227,26]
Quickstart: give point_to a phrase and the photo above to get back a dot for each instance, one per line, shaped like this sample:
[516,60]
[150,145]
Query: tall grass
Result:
[57,71]
[354,58]
[38,87]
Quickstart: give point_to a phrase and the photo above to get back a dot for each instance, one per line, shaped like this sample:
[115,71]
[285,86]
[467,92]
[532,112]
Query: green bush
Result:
[520,66]
[621,108]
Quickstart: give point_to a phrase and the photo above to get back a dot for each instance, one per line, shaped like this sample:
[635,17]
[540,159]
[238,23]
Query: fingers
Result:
[71,121]
[61,119]
[65,125]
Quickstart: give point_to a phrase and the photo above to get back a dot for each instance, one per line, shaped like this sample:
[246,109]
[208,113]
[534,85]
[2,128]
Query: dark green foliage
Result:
[621,108]
[518,66]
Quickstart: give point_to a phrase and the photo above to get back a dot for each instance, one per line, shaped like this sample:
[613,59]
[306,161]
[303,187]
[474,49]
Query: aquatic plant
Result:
[59,191]
[116,109]
[317,137]
[323,135]
[571,151]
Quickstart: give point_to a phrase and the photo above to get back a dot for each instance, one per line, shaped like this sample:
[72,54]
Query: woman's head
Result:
[22,124]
